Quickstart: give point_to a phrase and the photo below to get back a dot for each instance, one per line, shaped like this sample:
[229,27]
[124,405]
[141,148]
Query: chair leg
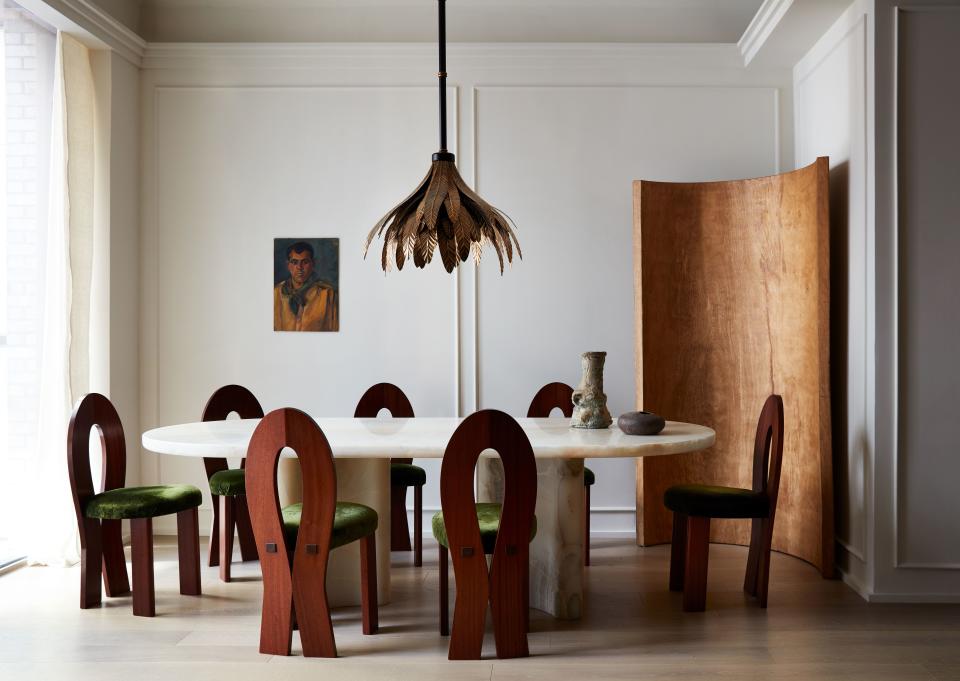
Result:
[141,540]
[226,536]
[444,594]
[368,584]
[525,605]
[586,525]
[188,551]
[91,557]
[241,518]
[214,558]
[753,557]
[695,564]
[678,551]
[508,606]
[763,573]
[399,532]
[114,562]
[418,526]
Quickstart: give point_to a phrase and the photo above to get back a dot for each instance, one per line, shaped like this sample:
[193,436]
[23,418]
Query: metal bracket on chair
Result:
[312,549]
[466,551]
[511,549]
[271,547]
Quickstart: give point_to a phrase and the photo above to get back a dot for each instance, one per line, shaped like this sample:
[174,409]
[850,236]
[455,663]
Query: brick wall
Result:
[28,82]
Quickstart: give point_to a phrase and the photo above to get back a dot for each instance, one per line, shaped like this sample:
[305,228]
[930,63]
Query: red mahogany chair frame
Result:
[390,397]
[101,542]
[506,587]
[294,577]
[560,396]
[691,534]
[229,511]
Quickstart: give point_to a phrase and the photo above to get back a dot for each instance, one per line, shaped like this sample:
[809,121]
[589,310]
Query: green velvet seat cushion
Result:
[488,516]
[142,502]
[588,477]
[716,502]
[228,483]
[407,474]
[350,523]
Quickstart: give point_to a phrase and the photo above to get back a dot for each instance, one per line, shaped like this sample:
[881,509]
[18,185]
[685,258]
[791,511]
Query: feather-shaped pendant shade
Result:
[442,213]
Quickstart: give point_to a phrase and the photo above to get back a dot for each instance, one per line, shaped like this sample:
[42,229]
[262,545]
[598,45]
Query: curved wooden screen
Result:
[732,288]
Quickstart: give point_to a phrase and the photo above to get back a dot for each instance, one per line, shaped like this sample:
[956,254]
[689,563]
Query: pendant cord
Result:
[442,74]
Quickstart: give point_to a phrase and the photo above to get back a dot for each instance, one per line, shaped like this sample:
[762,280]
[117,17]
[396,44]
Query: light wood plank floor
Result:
[633,629]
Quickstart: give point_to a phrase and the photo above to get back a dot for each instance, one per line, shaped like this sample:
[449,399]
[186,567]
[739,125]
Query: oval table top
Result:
[427,437]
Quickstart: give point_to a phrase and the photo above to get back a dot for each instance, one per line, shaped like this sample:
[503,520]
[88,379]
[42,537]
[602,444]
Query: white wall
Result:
[124,273]
[115,299]
[831,119]
[246,143]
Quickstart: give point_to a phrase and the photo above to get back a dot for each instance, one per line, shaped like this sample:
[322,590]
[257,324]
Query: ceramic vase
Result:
[589,401]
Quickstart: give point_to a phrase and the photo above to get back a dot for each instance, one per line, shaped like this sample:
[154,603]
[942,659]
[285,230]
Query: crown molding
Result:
[375,55]
[73,16]
[770,14]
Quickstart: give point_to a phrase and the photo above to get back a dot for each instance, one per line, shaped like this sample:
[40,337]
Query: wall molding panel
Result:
[911,562]
[901,560]
[184,86]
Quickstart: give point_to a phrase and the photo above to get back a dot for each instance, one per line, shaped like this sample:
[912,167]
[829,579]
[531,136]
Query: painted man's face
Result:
[300,265]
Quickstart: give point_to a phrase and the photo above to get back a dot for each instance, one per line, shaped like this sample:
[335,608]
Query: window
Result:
[27,49]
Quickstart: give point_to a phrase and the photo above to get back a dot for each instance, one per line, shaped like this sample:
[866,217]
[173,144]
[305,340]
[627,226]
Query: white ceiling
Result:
[649,21]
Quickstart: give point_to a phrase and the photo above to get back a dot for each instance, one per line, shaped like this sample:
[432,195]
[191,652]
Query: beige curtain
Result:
[65,359]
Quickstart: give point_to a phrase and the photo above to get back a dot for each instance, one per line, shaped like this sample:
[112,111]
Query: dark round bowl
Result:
[640,423]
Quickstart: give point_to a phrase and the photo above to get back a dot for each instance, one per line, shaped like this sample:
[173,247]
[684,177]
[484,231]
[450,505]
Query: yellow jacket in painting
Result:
[312,307]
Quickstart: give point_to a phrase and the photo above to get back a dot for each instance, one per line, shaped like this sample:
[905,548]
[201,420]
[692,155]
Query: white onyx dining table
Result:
[362,449]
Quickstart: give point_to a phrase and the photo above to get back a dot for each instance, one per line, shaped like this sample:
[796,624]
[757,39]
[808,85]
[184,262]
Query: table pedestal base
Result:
[362,481]
[556,553]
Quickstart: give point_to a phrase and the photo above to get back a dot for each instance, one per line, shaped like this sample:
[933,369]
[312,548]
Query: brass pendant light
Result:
[442,212]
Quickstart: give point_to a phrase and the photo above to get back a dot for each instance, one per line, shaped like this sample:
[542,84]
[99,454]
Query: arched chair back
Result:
[390,397]
[506,586]
[227,400]
[767,461]
[294,577]
[768,449]
[385,396]
[560,396]
[97,537]
[549,397]
[228,513]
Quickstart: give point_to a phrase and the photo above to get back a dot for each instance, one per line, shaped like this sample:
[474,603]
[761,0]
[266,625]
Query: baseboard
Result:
[854,583]
[913,598]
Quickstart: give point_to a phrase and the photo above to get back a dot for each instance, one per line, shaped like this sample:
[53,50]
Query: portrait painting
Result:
[306,284]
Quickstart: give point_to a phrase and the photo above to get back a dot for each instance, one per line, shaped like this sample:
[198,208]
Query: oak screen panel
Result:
[732,289]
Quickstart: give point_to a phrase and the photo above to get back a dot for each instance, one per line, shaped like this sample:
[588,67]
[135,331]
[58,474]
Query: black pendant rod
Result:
[442,74]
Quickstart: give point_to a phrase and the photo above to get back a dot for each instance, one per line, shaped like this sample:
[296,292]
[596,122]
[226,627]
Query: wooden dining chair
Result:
[99,515]
[560,396]
[694,505]
[295,543]
[469,531]
[227,487]
[403,473]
